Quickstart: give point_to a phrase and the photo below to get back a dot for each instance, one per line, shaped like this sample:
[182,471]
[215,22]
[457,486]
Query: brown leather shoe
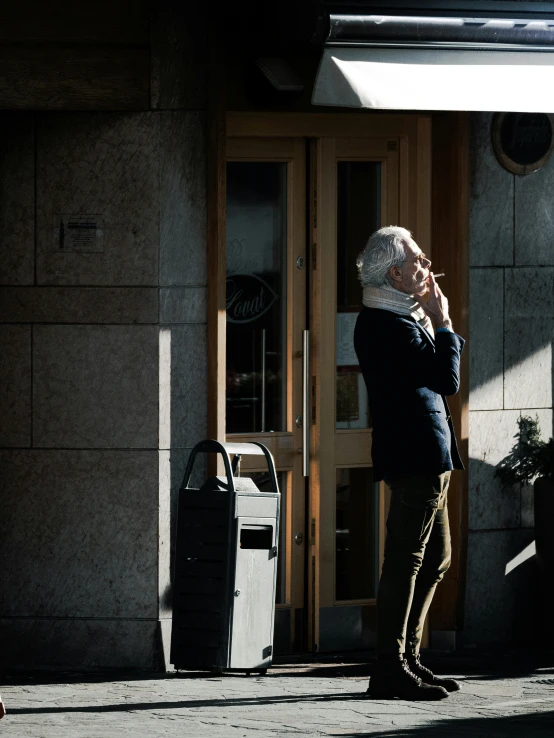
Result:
[427,676]
[393,678]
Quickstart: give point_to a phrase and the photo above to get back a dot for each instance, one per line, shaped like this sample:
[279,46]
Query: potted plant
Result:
[531,460]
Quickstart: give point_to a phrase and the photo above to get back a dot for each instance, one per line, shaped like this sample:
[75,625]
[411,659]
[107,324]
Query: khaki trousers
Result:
[417,556]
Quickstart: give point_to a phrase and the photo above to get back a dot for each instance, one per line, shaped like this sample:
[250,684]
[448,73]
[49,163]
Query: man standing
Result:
[409,357]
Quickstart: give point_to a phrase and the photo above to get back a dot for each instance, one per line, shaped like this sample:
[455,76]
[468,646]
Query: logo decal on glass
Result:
[248,298]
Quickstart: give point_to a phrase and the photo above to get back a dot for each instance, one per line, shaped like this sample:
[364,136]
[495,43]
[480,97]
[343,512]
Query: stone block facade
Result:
[103,371]
[103,368]
[511,374]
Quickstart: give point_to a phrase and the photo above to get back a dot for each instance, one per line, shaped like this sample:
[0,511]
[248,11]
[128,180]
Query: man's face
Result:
[412,276]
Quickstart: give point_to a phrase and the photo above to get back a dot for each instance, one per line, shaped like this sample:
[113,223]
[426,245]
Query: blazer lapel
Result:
[425,332]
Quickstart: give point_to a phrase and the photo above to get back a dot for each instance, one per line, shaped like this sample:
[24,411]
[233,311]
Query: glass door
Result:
[357,185]
[266,316]
[299,210]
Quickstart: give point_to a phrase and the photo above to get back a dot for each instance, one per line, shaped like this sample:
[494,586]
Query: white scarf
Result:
[388,298]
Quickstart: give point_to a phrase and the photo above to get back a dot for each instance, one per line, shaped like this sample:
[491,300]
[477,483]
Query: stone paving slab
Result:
[294,700]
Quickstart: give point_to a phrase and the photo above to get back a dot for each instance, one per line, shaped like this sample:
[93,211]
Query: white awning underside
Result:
[436,79]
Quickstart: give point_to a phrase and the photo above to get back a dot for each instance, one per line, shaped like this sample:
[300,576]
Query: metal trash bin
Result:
[225,567]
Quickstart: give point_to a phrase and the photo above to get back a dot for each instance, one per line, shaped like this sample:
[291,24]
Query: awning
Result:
[436,79]
[414,63]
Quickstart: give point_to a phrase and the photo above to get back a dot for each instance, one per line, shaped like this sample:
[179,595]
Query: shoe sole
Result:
[424,695]
[452,689]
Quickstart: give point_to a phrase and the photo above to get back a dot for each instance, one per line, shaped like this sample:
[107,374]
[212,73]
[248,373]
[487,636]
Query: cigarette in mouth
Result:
[436,276]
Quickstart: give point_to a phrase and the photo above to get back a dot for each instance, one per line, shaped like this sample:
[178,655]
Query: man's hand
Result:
[436,306]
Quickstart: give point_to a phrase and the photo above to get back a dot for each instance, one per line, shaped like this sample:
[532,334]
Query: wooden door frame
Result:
[450,234]
[447,222]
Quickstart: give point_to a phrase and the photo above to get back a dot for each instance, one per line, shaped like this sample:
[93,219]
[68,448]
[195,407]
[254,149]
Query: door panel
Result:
[358,191]
[356,535]
[266,314]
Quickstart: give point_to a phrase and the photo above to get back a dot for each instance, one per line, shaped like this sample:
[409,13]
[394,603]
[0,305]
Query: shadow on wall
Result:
[503,596]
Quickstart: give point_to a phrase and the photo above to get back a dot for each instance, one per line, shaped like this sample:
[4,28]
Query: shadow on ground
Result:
[531,725]
[195,704]
[523,726]
[481,665]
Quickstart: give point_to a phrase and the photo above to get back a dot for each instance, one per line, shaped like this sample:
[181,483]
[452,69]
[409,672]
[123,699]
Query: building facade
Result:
[175,215]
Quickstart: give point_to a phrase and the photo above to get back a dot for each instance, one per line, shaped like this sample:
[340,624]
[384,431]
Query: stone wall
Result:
[511,334]
[103,371]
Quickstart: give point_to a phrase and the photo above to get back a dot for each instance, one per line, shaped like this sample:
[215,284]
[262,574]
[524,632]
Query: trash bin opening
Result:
[256,536]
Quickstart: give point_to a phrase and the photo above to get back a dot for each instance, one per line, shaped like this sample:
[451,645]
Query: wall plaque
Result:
[522,142]
[78,233]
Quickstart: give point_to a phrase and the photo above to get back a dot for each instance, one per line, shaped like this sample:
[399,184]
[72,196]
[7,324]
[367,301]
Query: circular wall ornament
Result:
[522,142]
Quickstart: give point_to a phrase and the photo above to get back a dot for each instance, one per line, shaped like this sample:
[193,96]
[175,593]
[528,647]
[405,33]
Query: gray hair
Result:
[384,250]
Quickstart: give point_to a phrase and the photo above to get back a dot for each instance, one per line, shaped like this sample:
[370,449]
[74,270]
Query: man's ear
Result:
[395,273]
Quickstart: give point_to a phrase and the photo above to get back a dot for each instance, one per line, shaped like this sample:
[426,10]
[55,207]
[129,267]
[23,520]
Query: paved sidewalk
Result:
[501,696]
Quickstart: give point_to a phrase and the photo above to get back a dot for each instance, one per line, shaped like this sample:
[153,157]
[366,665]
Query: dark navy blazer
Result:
[408,374]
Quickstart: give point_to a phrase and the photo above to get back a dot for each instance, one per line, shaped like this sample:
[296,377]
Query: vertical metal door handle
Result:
[263,380]
[306,402]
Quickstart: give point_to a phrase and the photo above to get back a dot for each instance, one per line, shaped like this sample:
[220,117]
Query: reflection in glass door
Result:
[256,297]
[357,504]
[265,310]
[357,535]
[358,215]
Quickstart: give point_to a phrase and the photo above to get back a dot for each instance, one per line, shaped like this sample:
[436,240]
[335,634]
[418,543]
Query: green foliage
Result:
[530,457]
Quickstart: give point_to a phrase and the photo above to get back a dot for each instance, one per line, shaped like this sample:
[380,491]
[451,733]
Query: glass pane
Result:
[358,215]
[357,523]
[263,483]
[256,297]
